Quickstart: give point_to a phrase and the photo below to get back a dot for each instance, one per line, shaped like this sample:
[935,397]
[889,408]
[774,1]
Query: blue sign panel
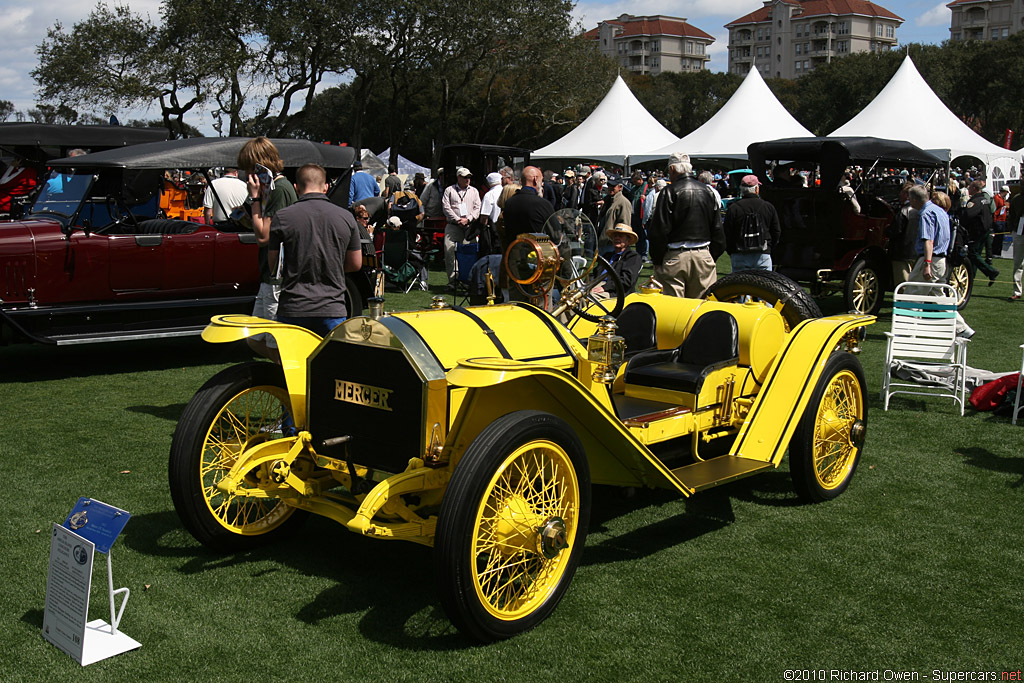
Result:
[97,522]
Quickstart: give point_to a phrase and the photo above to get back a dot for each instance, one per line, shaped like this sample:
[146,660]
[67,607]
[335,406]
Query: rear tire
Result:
[961,276]
[864,289]
[827,444]
[775,289]
[238,408]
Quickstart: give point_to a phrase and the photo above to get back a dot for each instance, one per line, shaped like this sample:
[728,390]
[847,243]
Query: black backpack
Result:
[752,236]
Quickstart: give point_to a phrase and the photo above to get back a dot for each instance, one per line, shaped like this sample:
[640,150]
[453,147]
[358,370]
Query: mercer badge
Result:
[362,394]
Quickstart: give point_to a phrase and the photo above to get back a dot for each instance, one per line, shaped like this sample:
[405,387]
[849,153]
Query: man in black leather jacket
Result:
[685,233]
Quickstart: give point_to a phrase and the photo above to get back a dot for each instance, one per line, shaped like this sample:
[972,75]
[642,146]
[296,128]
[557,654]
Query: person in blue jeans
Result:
[321,243]
[751,228]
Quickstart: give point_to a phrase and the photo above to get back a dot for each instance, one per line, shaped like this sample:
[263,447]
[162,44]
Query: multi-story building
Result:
[788,38]
[985,19]
[650,45]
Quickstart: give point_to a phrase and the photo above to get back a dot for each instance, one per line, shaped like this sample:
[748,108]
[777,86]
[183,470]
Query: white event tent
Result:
[908,109]
[616,130]
[752,114]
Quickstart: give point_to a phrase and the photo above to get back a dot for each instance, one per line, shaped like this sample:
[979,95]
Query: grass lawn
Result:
[916,567]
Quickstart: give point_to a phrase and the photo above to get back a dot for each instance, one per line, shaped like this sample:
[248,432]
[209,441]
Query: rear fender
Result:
[615,456]
[295,344]
[777,410]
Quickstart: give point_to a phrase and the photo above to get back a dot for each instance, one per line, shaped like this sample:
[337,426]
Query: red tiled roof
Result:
[591,34]
[660,27]
[815,8]
[964,2]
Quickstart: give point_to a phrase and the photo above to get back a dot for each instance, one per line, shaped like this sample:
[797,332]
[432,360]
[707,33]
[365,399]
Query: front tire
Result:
[775,289]
[512,525]
[864,290]
[236,409]
[828,442]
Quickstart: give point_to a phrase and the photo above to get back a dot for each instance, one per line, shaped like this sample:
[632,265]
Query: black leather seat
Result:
[638,326]
[713,343]
[165,226]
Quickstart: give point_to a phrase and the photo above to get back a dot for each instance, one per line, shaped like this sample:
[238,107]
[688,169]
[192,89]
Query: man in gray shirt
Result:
[322,245]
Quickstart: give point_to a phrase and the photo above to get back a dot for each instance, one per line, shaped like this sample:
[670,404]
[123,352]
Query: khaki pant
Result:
[454,234]
[686,273]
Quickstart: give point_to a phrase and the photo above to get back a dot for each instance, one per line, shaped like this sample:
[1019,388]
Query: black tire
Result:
[199,458]
[822,467]
[530,586]
[795,304]
[961,276]
[864,289]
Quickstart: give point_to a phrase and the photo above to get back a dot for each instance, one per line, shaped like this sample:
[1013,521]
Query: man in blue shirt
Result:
[933,242]
[361,185]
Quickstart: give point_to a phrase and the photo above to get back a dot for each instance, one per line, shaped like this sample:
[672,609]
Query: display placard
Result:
[97,522]
[67,591]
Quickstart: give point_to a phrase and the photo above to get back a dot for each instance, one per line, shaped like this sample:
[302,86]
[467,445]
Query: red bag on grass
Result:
[991,394]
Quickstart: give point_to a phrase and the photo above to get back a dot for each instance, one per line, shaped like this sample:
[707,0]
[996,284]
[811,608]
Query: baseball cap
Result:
[395,222]
[750,180]
[463,172]
[493,179]
[678,158]
[570,173]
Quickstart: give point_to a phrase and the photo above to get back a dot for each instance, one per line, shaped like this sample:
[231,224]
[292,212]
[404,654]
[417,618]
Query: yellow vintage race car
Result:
[480,431]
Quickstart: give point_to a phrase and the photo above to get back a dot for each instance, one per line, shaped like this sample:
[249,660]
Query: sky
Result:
[25,26]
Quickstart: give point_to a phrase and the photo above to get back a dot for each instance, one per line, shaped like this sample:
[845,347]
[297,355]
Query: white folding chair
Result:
[1020,382]
[924,334]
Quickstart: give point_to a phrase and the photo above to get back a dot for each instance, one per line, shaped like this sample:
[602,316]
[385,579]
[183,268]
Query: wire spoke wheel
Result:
[534,491]
[840,410]
[253,416]
[962,279]
[865,291]
[237,409]
[829,439]
[512,525]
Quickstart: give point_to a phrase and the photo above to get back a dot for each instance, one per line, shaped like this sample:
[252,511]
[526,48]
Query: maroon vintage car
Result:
[96,259]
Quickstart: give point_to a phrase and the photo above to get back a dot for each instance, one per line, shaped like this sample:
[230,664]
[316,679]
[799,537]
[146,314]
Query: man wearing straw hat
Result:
[624,261]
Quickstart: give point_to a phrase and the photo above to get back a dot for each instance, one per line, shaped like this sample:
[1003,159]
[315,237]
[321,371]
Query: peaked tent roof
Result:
[616,130]
[405,167]
[907,102]
[752,114]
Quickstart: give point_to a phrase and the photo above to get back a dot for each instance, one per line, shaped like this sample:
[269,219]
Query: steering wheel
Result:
[580,297]
[117,217]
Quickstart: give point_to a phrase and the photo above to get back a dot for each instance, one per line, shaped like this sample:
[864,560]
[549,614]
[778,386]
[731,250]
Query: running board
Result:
[720,470]
[103,337]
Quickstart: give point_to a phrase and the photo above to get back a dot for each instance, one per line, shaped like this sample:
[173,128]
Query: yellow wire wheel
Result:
[512,525]
[239,408]
[828,442]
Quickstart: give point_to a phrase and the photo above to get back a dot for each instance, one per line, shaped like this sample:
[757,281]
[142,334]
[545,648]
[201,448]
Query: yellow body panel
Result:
[295,344]
[778,408]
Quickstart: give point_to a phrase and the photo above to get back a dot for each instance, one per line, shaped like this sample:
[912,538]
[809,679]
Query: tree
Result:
[6,109]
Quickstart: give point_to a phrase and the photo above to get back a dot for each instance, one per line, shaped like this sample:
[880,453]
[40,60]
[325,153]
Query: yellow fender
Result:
[780,405]
[295,344]
[498,386]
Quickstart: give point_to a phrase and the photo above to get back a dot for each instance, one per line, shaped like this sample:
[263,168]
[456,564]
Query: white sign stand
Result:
[67,602]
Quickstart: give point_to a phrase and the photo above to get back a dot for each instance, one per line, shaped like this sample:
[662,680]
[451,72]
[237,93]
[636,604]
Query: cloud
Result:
[936,16]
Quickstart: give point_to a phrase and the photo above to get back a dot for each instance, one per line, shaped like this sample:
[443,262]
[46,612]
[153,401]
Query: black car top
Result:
[835,154]
[27,140]
[208,153]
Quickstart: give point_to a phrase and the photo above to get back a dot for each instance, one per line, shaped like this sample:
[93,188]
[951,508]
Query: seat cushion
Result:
[669,375]
[638,326]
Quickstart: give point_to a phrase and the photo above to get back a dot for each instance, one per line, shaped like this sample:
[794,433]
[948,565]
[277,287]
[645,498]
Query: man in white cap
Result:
[461,204]
[685,233]
[490,243]
[489,209]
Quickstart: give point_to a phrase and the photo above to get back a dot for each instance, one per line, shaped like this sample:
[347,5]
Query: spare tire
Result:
[775,289]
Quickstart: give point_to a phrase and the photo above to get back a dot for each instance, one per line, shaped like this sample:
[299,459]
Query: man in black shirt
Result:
[751,228]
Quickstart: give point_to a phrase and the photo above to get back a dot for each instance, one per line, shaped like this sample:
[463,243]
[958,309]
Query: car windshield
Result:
[62,194]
